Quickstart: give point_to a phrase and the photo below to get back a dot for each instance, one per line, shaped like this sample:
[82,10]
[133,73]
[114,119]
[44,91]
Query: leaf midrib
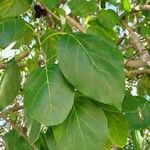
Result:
[92,62]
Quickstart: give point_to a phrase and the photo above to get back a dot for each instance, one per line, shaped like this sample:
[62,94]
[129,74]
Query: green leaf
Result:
[131,103]
[50,4]
[33,63]
[83,8]
[130,52]
[93,66]
[49,45]
[85,128]
[41,143]
[14,141]
[108,145]
[140,118]
[97,29]
[48,98]
[108,107]
[10,84]
[137,139]
[126,5]
[13,8]
[144,30]
[14,29]
[50,139]
[34,128]
[108,18]
[118,128]
[101,105]
[143,87]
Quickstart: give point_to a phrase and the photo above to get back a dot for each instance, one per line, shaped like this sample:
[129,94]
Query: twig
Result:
[114,147]
[120,40]
[4,114]
[137,72]
[144,55]
[145,7]
[19,130]
[15,108]
[2,66]
[126,47]
[138,8]
[69,19]
[18,59]
[75,23]
[132,57]
[134,63]
[22,56]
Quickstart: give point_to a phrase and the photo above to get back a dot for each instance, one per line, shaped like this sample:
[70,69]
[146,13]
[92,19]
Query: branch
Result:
[4,114]
[144,55]
[114,147]
[15,108]
[22,56]
[120,40]
[74,23]
[142,7]
[145,7]
[138,8]
[134,63]
[2,66]
[138,72]
[126,47]
[18,59]
[69,19]
[19,130]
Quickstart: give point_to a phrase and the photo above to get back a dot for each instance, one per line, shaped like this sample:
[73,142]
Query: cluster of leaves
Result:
[74,91]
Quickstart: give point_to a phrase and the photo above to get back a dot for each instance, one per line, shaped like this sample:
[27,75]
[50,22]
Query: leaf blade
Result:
[87,123]
[118,128]
[140,118]
[10,84]
[13,8]
[89,70]
[14,29]
[51,95]
[14,141]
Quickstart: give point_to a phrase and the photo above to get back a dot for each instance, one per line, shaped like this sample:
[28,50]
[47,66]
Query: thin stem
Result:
[144,55]
[138,72]
[18,59]
[73,22]
[134,63]
[69,19]
[4,115]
